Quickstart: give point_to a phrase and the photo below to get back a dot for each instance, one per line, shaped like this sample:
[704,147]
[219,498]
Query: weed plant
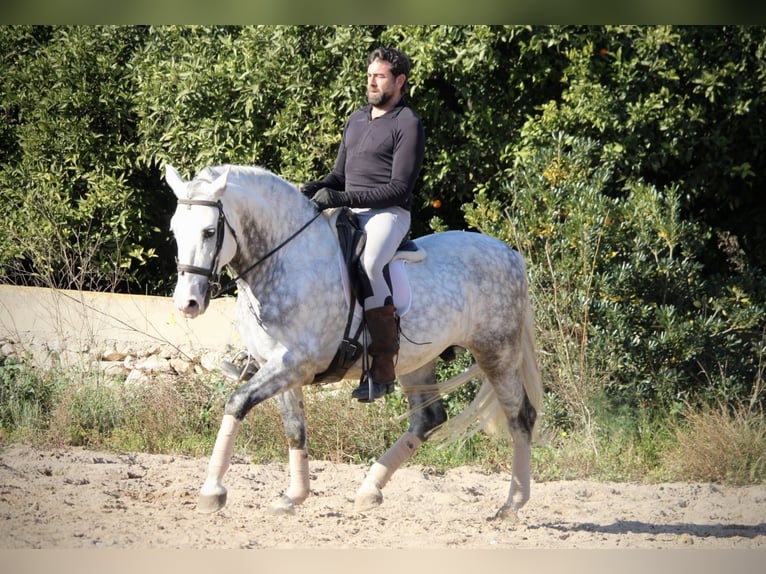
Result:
[180,415]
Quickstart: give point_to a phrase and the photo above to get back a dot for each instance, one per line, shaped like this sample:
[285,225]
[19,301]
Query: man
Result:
[375,171]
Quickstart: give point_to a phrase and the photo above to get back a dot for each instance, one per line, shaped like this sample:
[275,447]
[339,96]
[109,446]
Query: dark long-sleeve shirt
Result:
[379,160]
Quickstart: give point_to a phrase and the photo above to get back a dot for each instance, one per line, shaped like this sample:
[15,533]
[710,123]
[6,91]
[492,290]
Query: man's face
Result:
[382,87]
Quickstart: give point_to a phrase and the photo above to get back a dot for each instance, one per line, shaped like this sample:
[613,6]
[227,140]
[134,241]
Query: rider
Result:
[375,171]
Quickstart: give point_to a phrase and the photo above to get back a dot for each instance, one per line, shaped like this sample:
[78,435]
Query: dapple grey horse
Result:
[466,290]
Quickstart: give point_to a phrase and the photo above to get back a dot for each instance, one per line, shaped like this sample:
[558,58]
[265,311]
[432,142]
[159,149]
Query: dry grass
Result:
[719,444]
[176,415]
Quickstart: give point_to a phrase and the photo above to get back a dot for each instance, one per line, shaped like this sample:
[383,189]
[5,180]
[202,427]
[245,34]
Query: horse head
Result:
[205,239]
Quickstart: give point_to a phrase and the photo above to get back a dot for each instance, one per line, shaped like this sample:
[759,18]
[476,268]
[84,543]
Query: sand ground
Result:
[76,499]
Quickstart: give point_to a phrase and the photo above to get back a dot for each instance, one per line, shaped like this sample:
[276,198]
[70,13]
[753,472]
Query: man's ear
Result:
[400,80]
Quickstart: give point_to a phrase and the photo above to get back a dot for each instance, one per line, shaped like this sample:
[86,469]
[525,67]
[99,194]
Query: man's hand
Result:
[310,188]
[327,198]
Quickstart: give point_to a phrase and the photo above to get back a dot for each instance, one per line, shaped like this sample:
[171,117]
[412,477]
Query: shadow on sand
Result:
[637,527]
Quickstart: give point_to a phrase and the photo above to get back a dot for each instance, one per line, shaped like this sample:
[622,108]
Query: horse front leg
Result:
[272,379]
[426,413]
[292,409]
[212,495]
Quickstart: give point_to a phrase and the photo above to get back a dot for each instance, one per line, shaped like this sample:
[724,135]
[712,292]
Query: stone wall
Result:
[131,335]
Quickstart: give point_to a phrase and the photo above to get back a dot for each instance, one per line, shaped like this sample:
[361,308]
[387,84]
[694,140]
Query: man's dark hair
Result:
[400,64]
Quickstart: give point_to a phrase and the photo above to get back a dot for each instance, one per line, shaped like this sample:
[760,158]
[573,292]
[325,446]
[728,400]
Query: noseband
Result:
[213,276]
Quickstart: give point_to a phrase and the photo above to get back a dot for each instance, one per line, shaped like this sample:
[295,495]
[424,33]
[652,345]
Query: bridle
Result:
[213,276]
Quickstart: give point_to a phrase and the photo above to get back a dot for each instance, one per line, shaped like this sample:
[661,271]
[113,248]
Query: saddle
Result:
[351,239]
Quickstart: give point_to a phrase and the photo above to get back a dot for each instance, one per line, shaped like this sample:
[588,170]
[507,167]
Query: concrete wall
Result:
[128,334]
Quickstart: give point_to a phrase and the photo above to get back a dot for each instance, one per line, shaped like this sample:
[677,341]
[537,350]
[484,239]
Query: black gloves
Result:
[324,197]
[327,198]
[310,188]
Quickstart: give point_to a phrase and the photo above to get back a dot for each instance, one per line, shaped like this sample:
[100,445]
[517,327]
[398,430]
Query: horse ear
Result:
[175,181]
[218,185]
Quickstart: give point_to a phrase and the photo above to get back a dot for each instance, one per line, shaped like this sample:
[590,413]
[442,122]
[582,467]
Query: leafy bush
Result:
[81,211]
[26,397]
[640,291]
[622,300]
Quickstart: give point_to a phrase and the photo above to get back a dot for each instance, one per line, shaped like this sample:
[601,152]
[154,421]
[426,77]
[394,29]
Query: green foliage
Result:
[278,96]
[77,212]
[26,396]
[671,105]
[96,112]
[455,401]
[626,195]
[256,95]
[473,86]
[622,300]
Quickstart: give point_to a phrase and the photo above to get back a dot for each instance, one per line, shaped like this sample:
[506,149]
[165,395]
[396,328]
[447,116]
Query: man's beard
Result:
[378,98]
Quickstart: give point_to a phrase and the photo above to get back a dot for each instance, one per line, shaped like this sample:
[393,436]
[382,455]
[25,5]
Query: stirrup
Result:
[368,391]
[232,370]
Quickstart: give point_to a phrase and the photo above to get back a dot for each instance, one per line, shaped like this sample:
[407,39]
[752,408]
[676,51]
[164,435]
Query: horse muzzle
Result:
[192,295]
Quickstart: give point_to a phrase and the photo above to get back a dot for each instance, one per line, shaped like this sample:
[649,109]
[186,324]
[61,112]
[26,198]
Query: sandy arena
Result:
[75,499]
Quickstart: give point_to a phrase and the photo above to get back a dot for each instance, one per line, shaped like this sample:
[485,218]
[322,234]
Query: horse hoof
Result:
[367,500]
[283,505]
[209,503]
[507,514]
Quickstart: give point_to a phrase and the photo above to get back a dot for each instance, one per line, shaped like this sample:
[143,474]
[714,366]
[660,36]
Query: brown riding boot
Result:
[384,332]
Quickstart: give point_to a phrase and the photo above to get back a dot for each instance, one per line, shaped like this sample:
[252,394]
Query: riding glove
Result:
[327,198]
[310,188]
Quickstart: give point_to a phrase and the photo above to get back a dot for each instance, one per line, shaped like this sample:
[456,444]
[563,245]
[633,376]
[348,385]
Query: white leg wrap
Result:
[222,451]
[299,475]
[401,451]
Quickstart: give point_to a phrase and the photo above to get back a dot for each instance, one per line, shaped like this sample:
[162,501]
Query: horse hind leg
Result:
[426,413]
[521,416]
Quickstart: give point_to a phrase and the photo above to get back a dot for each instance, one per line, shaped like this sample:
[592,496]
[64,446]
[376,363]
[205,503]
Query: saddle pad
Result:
[400,285]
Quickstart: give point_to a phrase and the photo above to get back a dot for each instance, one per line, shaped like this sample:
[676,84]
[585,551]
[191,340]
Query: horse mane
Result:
[246,176]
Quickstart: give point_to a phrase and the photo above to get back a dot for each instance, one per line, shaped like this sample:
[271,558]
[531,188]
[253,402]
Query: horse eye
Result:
[208,233]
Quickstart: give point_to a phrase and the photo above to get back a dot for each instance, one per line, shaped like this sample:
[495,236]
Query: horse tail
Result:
[530,371]
[485,413]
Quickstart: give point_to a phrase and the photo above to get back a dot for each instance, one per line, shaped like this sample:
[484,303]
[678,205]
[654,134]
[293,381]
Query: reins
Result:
[233,282]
